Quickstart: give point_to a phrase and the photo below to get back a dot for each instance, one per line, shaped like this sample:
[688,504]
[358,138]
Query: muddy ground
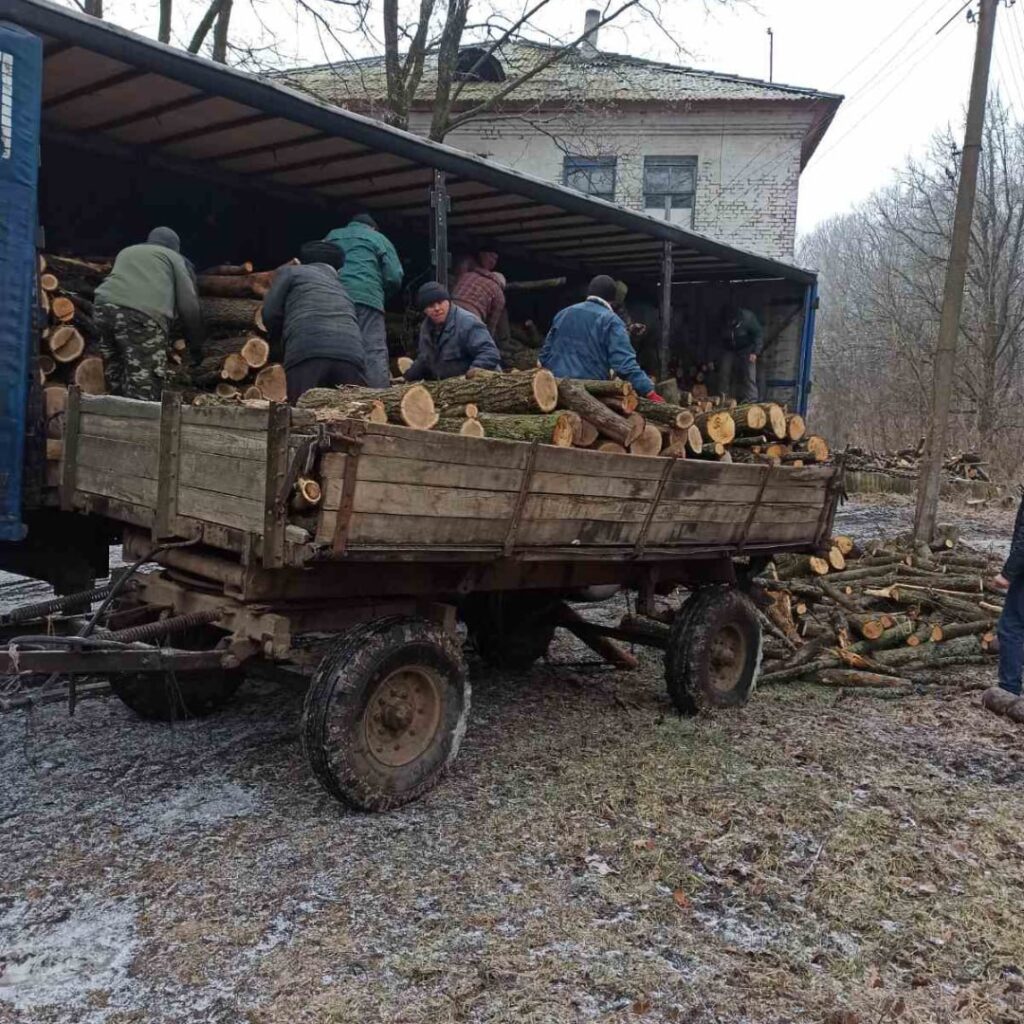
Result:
[593,856]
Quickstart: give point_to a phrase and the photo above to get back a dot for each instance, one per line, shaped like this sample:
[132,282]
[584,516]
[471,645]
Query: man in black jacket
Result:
[1005,698]
[309,310]
[452,340]
[742,344]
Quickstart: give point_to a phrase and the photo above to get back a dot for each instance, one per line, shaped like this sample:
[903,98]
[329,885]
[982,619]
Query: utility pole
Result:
[944,367]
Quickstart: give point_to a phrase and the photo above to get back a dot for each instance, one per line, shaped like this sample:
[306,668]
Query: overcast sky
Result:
[900,79]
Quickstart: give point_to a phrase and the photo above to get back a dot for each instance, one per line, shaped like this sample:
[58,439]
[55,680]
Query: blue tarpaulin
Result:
[21,71]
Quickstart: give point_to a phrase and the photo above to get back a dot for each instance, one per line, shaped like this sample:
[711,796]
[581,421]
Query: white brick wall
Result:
[748,160]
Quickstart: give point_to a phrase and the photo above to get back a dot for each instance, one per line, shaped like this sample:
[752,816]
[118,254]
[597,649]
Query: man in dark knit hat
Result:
[310,312]
[588,341]
[372,273]
[452,340]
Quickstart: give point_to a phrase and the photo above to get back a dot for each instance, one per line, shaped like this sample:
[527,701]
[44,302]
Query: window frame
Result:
[573,164]
[674,160]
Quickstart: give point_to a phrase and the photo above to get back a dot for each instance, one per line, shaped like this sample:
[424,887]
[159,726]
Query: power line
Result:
[879,45]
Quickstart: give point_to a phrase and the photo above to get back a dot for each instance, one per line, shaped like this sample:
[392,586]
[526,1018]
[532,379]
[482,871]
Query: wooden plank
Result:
[233,417]
[275,500]
[236,444]
[167,466]
[118,457]
[432,502]
[208,506]
[120,408]
[69,463]
[121,428]
[429,445]
[136,489]
[240,478]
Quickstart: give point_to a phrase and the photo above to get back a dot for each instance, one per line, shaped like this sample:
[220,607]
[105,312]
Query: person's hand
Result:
[653,396]
[752,357]
[1000,582]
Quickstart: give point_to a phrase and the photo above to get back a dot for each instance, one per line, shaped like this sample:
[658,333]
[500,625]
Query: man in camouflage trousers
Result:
[149,286]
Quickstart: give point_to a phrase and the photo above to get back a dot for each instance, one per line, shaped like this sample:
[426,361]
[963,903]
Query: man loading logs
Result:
[149,285]
[588,341]
[481,291]
[742,343]
[310,312]
[371,274]
[452,340]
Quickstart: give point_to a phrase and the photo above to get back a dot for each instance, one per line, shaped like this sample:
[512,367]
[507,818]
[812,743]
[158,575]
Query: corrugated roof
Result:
[574,77]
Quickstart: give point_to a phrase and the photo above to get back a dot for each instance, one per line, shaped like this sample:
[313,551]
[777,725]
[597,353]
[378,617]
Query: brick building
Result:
[714,152]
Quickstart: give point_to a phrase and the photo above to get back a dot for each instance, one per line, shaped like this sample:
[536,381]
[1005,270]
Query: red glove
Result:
[653,396]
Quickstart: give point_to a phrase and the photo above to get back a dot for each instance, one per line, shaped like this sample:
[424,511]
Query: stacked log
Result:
[960,466]
[891,617]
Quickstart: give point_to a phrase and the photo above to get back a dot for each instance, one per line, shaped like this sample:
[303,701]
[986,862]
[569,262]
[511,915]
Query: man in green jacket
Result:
[371,274]
[149,286]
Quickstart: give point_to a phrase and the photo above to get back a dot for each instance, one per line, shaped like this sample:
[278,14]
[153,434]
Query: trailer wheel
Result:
[386,711]
[173,696]
[509,631]
[714,651]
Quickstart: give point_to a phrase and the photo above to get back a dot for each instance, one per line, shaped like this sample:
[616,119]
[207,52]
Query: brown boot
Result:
[1016,711]
[998,700]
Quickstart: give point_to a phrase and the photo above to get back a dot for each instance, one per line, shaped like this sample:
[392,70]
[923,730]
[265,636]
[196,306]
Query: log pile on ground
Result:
[604,415]
[889,615]
[906,462]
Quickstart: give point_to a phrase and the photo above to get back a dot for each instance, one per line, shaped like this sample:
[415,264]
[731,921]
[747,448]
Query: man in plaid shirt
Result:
[481,291]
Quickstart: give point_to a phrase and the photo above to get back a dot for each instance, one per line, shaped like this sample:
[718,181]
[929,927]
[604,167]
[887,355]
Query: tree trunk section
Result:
[89,377]
[669,415]
[548,428]
[648,443]
[573,396]
[527,392]
[271,380]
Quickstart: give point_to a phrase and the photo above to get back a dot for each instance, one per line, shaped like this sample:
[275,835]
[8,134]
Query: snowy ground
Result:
[592,857]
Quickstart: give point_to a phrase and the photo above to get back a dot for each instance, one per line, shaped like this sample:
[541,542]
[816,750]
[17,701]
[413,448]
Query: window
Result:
[475,64]
[594,176]
[672,180]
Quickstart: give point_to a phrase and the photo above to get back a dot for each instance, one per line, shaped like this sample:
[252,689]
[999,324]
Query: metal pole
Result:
[439,205]
[666,306]
[771,55]
[956,270]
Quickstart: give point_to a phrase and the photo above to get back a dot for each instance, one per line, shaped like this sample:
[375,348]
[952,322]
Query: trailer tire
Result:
[386,711]
[172,696]
[509,631]
[714,651]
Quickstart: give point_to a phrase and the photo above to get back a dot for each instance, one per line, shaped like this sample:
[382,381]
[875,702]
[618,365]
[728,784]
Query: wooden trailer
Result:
[360,580]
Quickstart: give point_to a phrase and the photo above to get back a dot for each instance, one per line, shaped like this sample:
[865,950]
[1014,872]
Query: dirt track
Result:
[593,857]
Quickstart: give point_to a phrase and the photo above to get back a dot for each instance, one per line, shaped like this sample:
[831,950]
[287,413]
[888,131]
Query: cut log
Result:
[548,428]
[648,443]
[795,428]
[232,316]
[235,286]
[253,394]
[272,382]
[607,388]
[712,450]
[858,677]
[234,367]
[790,566]
[329,405]
[46,365]
[817,446]
[755,442]
[226,390]
[403,363]
[88,376]
[750,419]
[573,395]
[610,447]
[695,440]
[408,404]
[868,626]
[255,352]
[662,412]
[228,270]
[55,403]
[624,405]
[524,392]
[66,343]
[62,309]
[588,434]
[48,282]
[776,425]
[467,427]
[836,559]
[597,642]
[844,543]
[308,494]
[717,426]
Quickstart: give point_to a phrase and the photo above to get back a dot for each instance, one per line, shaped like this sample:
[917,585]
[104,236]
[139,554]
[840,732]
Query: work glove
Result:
[653,396]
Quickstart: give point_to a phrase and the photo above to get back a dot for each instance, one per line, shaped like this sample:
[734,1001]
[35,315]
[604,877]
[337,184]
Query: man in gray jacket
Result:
[309,311]
[452,340]
[134,307]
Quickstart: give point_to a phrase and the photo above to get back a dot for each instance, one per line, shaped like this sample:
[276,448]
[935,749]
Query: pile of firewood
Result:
[888,615]
[605,415]
[905,462]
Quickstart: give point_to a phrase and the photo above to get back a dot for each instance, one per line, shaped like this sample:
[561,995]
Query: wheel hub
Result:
[403,715]
[728,658]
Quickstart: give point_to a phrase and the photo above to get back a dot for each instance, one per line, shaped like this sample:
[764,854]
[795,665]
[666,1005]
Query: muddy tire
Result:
[386,712]
[173,696]
[510,631]
[714,651]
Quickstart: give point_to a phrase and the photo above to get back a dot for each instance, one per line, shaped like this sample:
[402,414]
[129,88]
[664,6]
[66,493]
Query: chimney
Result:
[588,47]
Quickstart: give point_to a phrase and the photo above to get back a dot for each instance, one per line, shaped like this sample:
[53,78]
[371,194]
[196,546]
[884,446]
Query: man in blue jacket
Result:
[371,274]
[452,340]
[589,340]
[308,311]
[1006,697]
